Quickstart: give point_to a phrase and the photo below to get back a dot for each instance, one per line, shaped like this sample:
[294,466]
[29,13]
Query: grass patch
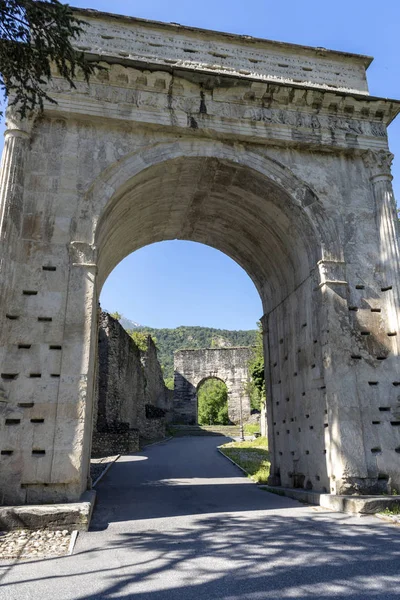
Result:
[394,511]
[252,456]
[251,428]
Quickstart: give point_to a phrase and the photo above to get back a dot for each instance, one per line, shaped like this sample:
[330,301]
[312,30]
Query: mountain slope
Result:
[128,324]
[184,337]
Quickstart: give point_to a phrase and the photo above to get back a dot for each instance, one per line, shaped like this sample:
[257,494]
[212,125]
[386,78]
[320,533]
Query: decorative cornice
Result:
[248,110]
[253,94]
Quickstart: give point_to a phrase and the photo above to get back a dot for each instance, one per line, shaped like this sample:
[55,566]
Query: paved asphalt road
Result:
[178,522]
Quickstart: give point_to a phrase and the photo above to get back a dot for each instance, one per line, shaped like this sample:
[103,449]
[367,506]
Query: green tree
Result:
[256,396]
[140,339]
[116,315]
[212,401]
[169,382]
[256,386]
[34,36]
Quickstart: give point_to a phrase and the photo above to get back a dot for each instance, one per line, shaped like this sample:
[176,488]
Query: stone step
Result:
[206,430]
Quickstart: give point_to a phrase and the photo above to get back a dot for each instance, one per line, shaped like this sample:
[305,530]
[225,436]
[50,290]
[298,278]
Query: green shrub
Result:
[212,399]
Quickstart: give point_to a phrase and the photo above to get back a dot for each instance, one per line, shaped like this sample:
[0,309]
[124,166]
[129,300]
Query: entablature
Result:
[225,106]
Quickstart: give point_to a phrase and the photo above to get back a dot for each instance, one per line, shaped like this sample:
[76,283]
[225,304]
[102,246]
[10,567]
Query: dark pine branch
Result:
[33,37]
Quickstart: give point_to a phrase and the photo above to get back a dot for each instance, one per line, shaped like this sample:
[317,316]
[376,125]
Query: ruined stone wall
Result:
[192,367]
[121,380]
[156,392]
[128,380]
[107,443]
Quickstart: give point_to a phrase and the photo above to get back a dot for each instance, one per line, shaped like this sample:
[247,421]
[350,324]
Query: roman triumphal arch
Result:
[193,367]
[272,153]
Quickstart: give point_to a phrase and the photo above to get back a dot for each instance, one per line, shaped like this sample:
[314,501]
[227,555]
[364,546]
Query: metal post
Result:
[241,420]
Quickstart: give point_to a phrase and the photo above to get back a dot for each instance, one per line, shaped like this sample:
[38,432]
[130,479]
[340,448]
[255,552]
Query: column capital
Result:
[83,254]
[16,126]
[264,323]
[379,163]
[331,272]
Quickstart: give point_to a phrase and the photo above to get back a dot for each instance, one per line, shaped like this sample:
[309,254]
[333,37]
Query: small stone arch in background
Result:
[193,367]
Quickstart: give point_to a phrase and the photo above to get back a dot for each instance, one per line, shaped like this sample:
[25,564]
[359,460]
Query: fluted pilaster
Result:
[17,136]
[379,165]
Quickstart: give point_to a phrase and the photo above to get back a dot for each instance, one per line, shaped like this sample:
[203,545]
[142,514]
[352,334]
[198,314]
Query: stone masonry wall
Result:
[156,392]
[127,381]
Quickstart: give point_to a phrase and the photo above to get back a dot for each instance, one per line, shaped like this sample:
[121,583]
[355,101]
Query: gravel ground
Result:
[44,543]
[25,544]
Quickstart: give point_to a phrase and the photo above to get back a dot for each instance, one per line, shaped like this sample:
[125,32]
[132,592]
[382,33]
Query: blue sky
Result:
[182,283]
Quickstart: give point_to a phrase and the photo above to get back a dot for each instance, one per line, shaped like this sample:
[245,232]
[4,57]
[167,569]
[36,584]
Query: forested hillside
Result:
[169,340]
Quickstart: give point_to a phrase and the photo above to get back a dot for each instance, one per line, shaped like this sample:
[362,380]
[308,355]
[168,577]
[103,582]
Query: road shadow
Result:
[160,482]
[230,557]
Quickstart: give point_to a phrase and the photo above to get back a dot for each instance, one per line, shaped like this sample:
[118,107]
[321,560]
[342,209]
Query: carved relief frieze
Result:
[315,121]
[159,91]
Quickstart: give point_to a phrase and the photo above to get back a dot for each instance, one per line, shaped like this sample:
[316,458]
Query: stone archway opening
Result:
[135,366]
[283,165]
[212,402]
[269,223]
